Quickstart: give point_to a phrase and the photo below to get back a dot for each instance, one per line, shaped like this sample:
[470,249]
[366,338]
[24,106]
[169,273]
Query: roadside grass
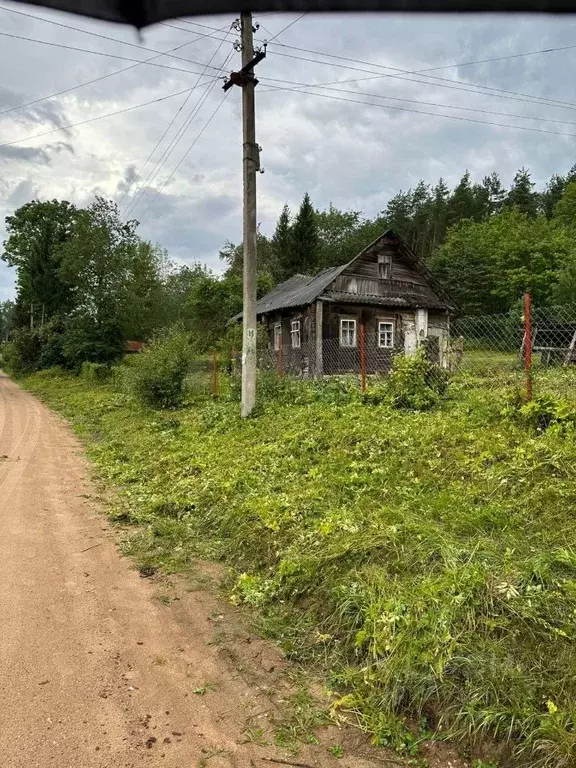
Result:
[426,560]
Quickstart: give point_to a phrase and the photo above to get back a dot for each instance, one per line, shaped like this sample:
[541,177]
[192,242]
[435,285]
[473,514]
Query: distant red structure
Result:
[133,347]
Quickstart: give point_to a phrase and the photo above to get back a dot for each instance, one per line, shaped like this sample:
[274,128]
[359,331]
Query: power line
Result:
[287,27]
[90,82]
[423,112]
[416,101]
[109,114]
[185,155]
[103,37]
[449,82]
[187,120]
[445,82]
[109,55]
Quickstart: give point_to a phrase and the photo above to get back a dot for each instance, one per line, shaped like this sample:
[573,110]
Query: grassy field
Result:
[426,560]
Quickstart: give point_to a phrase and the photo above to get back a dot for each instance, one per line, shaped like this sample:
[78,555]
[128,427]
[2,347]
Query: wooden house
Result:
[386,295]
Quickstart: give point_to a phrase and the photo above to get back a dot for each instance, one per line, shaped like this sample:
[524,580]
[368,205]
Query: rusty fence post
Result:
[363,357]
[528,343]
[215,376]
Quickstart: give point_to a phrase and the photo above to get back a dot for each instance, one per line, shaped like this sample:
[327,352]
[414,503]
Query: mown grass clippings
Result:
[427,559]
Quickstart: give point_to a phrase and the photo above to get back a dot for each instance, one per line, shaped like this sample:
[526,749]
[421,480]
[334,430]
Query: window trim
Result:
[296,332]
[389,323]
[277,336]
[354,328]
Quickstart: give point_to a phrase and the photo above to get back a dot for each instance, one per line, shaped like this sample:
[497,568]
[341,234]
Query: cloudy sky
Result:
[174,163]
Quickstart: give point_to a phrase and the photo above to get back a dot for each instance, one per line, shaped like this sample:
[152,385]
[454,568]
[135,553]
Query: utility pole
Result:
[251,164]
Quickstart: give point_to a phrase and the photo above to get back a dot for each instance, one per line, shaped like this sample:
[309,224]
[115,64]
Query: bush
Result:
[21,355]
[157,377]
[416,383]
[97,372]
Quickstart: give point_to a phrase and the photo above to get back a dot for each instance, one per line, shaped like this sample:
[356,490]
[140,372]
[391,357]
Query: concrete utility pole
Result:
[251,164]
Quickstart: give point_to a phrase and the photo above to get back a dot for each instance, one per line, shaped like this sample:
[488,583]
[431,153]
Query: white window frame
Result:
[349,328]
[295,334]
[389,334]
[277,336]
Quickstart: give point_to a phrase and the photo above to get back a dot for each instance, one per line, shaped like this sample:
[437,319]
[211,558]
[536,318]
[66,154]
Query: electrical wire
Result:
[108,55]
[445,82]
[423,112]
[185,155]
[161,139]
[287,27]
[90,82]
[417,101]
[102,37]
[450,82]
[108,114]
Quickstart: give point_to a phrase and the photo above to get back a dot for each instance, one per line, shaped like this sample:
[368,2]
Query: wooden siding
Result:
[340,360]
[362,278]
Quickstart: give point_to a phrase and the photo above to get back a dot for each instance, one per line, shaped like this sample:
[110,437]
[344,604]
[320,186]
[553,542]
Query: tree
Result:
[282,243]
[305,243]
[565,208]
[7,316]
[97,260]
[36,234]
[462,203]
[522,195]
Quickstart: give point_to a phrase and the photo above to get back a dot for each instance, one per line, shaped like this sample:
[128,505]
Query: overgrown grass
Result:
[427,559]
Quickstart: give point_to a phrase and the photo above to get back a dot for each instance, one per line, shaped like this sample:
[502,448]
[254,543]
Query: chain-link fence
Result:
[532,349]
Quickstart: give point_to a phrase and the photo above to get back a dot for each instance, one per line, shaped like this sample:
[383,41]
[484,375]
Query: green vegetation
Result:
[426,559]
[87,283]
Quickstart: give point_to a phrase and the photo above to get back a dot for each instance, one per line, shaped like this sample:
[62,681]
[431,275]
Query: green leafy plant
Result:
[157,378]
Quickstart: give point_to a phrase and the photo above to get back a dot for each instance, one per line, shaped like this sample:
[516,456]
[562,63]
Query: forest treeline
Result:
[86,281]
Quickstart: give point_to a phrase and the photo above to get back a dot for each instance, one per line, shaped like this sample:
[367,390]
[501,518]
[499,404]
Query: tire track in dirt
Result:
[20,450]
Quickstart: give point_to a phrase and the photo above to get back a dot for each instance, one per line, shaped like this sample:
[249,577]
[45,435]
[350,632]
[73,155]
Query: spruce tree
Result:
[282,246]
[522,195]
[305,241]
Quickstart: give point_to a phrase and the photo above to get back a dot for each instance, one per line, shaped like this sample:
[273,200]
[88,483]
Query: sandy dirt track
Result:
[94,671]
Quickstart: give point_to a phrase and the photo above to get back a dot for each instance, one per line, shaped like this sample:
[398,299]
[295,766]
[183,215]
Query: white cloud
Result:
[350,154]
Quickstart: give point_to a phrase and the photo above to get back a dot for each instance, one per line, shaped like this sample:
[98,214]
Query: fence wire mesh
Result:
[534,347]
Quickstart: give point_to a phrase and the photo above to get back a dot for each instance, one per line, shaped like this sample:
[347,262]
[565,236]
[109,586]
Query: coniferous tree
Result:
[282,245]
[462,204]
[522,195]
[305,242]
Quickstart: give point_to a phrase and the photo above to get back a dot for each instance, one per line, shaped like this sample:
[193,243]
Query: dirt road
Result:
[95,672]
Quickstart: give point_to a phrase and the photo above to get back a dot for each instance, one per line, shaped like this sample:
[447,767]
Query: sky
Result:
[174,160]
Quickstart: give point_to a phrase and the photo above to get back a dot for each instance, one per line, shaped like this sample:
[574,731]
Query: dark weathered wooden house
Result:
[386,295]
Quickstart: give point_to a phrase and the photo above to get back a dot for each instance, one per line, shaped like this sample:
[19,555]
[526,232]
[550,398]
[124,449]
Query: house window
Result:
[384,266]
[295,334]
[347,332]
[277,336]
[385,334]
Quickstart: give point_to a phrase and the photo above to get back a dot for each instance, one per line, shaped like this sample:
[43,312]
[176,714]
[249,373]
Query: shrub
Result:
[98,372]
[157,377]
[416,383]
[22,354]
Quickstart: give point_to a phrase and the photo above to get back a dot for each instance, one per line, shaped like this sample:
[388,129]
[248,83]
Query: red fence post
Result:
[215,382]
[363,357]
[528,343]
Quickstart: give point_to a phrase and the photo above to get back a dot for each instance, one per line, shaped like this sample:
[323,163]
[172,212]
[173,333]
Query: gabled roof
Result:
[301,290]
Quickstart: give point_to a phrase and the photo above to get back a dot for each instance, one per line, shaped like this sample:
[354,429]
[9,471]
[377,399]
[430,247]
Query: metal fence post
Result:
[528,343]
[363,357]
